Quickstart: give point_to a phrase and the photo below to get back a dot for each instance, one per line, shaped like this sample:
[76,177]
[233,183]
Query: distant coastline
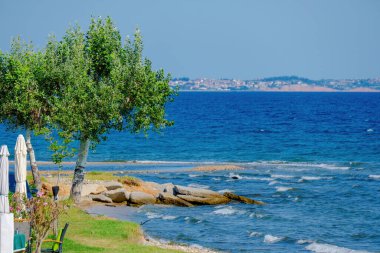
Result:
[277,84]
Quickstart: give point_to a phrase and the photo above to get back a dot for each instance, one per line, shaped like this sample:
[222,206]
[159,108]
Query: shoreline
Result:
[145,238]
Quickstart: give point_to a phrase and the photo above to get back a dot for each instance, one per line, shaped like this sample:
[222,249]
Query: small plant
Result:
[43,211]
[17,205]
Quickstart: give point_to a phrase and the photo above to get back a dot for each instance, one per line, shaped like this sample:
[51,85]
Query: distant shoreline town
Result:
[281,83]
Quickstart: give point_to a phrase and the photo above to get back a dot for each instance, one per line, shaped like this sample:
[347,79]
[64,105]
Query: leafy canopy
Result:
[104,84]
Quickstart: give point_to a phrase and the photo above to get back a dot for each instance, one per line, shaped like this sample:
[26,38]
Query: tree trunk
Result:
[76,188]
[33,163]
[38,246]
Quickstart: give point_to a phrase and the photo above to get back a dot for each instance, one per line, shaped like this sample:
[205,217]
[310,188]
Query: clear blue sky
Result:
[242,39]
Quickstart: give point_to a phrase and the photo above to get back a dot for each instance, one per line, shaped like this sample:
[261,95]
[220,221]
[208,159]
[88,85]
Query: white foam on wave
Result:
[313,178]
[376,177]
[273,182]
[304,165]
[283,188]
[199,186]
[272,239]
[304,241]
[194,175]
[151,215]
[259,178]
[225,190]
[329,248]
[169,217]
[256,215]
[255,234]
[281,176]
[227,211]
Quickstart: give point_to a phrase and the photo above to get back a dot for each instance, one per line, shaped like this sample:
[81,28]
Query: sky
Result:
[241,39]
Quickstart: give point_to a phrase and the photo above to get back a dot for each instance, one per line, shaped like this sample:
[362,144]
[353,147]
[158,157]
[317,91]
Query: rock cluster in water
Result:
[140,193]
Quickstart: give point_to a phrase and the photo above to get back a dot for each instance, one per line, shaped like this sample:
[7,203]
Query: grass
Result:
[88,233]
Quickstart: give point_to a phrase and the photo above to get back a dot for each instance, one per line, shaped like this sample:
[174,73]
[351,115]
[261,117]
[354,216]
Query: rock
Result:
[101,198]
[99,189]
[118,195]
[242,199]
[140,198]
[88,189]
[170,199]
[169,188]
[112,185]
[196,192]
[205,201]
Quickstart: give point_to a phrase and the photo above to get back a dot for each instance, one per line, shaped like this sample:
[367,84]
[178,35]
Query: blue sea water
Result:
[314,158]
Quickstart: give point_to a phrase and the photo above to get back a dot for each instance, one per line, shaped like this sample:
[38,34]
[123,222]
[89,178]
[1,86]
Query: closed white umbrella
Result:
[6,218]
[4,179]
[20,164]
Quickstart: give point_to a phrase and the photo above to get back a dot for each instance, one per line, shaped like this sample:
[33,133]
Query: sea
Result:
[313,158]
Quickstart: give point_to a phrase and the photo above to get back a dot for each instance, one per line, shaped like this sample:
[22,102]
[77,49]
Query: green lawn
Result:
[87,233]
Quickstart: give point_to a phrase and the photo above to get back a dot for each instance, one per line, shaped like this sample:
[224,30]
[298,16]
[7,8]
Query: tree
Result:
[23,103]
[104,86]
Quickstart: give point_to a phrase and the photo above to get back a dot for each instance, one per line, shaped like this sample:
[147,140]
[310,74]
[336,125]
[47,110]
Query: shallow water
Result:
[310,208]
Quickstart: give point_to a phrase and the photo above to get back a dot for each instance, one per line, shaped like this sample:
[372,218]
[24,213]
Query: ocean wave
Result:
[283,189]
[376,177]
[169,217]
[273,182]
[303,241]
[256,215]
[255,234]
[194,175]
[199,186]
[281,176]
[152,215]
[225,190]
[272,239]
[227,211]
[287,164]
[313,178]
[329,248]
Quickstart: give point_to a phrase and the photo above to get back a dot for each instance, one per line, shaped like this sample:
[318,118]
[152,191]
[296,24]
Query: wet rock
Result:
[196,192]
[113,185]
[118,195]
[141,198]
[100,198]
[204,201]
[242,199]
[170,199]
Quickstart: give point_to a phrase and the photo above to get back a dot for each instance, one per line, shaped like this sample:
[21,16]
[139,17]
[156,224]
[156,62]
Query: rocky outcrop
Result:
[141,198]
[100,198]
[138,192]
[242,199]
[170,199]
[118,196]
[204,201]
[195,192]
[112,185]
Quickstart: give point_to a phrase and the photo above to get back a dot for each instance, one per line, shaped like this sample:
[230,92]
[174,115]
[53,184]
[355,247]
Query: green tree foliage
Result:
[23,102]
[101,84]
